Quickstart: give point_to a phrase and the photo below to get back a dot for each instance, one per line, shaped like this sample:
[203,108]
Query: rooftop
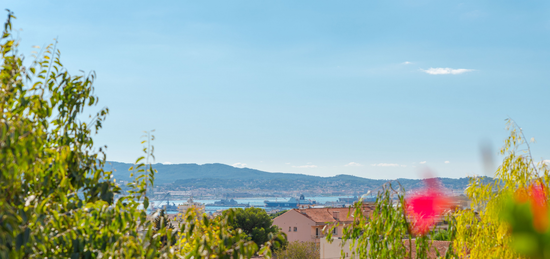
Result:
[323,215]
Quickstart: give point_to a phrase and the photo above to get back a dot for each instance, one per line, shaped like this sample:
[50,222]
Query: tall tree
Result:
[255,222]
[56,200]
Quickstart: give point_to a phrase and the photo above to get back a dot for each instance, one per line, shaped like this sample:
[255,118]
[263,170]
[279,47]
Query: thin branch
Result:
[528,147]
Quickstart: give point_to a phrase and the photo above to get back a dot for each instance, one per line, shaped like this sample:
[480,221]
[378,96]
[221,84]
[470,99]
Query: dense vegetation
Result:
[509,216]
[57,201]
[57,198]
[255,222]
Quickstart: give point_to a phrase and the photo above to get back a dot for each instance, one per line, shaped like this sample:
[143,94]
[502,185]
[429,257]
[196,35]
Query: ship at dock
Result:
[348,200]
[165,207]
[290,203]
[199,207]
[227,203]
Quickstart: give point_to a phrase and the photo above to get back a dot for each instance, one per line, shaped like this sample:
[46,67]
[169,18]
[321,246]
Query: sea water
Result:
[254,202]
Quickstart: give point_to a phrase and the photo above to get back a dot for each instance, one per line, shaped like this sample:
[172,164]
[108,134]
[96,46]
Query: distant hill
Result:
[172,173]
[225,176]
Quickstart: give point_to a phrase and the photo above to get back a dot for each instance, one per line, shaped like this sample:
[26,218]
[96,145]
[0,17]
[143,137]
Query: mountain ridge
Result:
[217,175]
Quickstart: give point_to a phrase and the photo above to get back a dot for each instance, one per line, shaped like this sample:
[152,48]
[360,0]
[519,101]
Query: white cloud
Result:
[287,163]
[403,166]
[305,166]
[446,162]
[423,162]
[353,164]
[239,165]
[166,163]
[546,162]
[384,164]
[446,71]
[406,63]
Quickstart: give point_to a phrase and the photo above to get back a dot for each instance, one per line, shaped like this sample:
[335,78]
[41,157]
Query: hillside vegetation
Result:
[229,177]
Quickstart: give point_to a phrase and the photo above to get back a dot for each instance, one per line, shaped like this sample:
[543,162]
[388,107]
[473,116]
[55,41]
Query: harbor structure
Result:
[227,203]
[182,208]
[290,203]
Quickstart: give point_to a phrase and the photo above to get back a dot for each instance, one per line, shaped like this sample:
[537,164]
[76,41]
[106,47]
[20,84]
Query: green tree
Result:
[381,235]
[255,222]
[481,229]
[442,235]
[162,222]
[508,216]
[56,199]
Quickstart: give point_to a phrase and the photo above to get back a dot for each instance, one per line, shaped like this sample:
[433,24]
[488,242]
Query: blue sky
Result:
[377,89]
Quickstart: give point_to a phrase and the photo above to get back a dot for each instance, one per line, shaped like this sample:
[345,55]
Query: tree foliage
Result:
[481,232]
[56,200]
[255,222]
[387,232]
[508,217]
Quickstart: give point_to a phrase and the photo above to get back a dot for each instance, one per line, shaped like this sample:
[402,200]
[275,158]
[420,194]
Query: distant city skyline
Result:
[377,89]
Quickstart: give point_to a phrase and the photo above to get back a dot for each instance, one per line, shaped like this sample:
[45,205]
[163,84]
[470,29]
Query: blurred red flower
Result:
[536,195]
[425,207]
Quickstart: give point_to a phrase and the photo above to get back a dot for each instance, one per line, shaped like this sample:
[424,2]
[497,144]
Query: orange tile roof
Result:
[323,215]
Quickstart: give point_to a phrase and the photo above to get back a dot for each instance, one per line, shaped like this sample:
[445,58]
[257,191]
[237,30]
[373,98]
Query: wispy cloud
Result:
[446,71]
[353,164]
[167,163]
[447,162]
[239,165]
[384,164]
[406,63]
[423,162]
[304,166]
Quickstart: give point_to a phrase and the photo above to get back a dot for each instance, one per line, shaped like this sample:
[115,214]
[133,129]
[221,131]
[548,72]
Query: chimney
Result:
[336,215]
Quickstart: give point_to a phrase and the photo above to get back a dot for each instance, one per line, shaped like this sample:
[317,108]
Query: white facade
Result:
[334,250]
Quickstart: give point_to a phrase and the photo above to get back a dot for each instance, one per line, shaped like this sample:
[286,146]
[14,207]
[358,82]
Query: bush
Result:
[442,235]
[483,229]
[299,250]
[56,199]
[255,222]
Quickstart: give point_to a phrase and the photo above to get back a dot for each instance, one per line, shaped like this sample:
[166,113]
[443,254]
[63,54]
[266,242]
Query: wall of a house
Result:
[334,250]
[294,219]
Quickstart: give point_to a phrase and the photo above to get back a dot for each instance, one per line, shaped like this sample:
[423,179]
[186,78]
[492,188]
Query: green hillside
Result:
[172,173]
[190,176]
